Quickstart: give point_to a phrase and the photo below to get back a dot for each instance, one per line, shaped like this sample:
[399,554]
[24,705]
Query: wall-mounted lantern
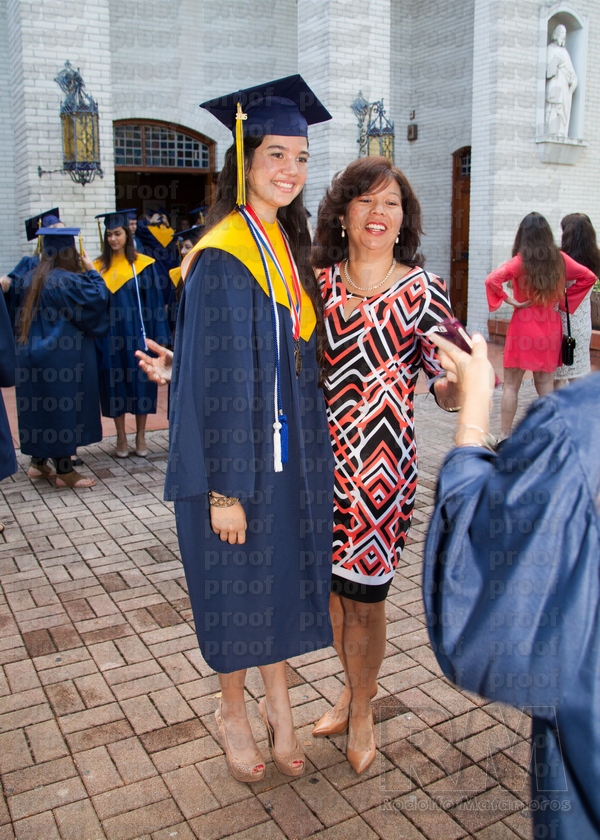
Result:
[375,131]
[80,135]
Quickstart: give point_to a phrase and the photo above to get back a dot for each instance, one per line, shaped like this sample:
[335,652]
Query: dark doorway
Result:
[178,192]
[459,268]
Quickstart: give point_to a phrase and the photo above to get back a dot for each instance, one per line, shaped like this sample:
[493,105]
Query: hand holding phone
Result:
[452,330]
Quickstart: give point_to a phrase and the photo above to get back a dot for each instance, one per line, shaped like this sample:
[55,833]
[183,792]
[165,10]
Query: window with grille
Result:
[465,164]
[158,146]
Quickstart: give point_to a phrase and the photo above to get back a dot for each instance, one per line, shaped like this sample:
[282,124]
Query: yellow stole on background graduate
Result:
[175,275]
[121,271]
[163,234]
[233,236]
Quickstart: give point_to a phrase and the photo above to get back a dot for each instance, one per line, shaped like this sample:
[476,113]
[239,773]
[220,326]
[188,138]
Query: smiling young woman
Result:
[245,398]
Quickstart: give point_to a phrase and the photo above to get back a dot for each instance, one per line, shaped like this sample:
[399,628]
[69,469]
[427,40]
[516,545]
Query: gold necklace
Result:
[367,288]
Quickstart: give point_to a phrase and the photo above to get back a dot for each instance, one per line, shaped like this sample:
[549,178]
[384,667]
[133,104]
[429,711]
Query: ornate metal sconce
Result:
[375,132]
[80,135]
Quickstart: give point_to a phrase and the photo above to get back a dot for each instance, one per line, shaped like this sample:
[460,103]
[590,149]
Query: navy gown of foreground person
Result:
[512,593]
[8,363]
[57,373]
[266,600]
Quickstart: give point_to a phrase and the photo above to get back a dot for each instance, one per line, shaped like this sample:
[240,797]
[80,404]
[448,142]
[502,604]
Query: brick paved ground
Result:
[106,707]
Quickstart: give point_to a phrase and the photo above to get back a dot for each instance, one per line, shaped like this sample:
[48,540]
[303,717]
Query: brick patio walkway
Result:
[106,706]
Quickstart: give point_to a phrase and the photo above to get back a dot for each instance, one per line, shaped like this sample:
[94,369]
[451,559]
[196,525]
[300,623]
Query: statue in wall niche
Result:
[561,81]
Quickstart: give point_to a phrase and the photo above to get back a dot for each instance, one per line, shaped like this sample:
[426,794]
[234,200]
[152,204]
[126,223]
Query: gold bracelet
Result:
[222,501]
[488,441]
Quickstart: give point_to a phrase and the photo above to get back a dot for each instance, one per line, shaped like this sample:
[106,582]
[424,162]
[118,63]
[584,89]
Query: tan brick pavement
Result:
[106,706]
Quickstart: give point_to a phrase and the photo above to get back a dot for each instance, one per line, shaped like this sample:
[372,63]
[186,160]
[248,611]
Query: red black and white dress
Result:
[375,356]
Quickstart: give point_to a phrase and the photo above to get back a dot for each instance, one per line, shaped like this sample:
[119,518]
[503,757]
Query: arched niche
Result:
[565,149]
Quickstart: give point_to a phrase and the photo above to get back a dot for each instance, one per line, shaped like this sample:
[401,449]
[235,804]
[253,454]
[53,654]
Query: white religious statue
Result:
[561,81]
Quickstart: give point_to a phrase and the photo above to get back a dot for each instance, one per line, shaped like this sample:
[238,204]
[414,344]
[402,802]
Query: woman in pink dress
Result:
[538,272]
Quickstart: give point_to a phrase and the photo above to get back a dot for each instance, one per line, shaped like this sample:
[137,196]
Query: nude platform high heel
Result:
[285,762]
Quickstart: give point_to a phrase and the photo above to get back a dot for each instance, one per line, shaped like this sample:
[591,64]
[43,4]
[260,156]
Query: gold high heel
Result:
[242,771]
[285,762]
[361,760]
[327,725]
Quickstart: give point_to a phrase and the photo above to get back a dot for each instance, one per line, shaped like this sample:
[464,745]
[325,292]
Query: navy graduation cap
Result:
[197,212]
[55,239]
[284,107]
[45,219]
[117,218]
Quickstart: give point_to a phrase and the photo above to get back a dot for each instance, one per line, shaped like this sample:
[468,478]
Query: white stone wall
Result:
[170,55]
[42,37]
[344,47]
[9,220]
[509,180]
[441,79]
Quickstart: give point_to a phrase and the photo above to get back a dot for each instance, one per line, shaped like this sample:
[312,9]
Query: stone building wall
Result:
[41,38]
[508,179]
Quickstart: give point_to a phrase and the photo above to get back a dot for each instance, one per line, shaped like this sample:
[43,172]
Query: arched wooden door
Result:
[459,268]
[160,164]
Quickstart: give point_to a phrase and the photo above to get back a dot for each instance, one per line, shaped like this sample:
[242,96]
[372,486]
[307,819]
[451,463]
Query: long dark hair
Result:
[293,220]
[579,241]
[66,258]
[362,176]
[107,252]
[543,264]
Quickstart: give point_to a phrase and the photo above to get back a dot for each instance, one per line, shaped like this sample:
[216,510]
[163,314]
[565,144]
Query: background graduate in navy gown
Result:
[512,583]
[137,311]
[59,310]
[255,541]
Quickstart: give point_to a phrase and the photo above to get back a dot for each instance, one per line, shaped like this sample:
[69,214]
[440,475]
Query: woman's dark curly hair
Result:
[579,241]
[543,264]
[365,175]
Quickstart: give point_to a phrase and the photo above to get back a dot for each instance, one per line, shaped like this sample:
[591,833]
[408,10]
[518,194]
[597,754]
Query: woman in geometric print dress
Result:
[380,306]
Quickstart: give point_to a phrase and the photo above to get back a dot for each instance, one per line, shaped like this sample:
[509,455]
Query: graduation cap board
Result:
[284,107]
[45,219]
[56,239]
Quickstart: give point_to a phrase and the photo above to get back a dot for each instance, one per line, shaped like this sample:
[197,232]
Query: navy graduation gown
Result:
[266,600]
[166,257]
[124,387]
[8,363]
[23,267]
[57,375]
[512,593]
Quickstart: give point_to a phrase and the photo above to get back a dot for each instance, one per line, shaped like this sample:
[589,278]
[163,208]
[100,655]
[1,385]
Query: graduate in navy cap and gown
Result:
[137,312]
[156,237]
[250,463]
[51,218]
[512,585]
[60,308]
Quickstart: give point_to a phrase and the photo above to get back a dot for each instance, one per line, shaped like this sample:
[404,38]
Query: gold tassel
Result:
[38,249]
[100,235]
[239,148]
[81,246]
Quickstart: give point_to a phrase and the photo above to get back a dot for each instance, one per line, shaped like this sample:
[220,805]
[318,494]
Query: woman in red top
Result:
[537,271]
